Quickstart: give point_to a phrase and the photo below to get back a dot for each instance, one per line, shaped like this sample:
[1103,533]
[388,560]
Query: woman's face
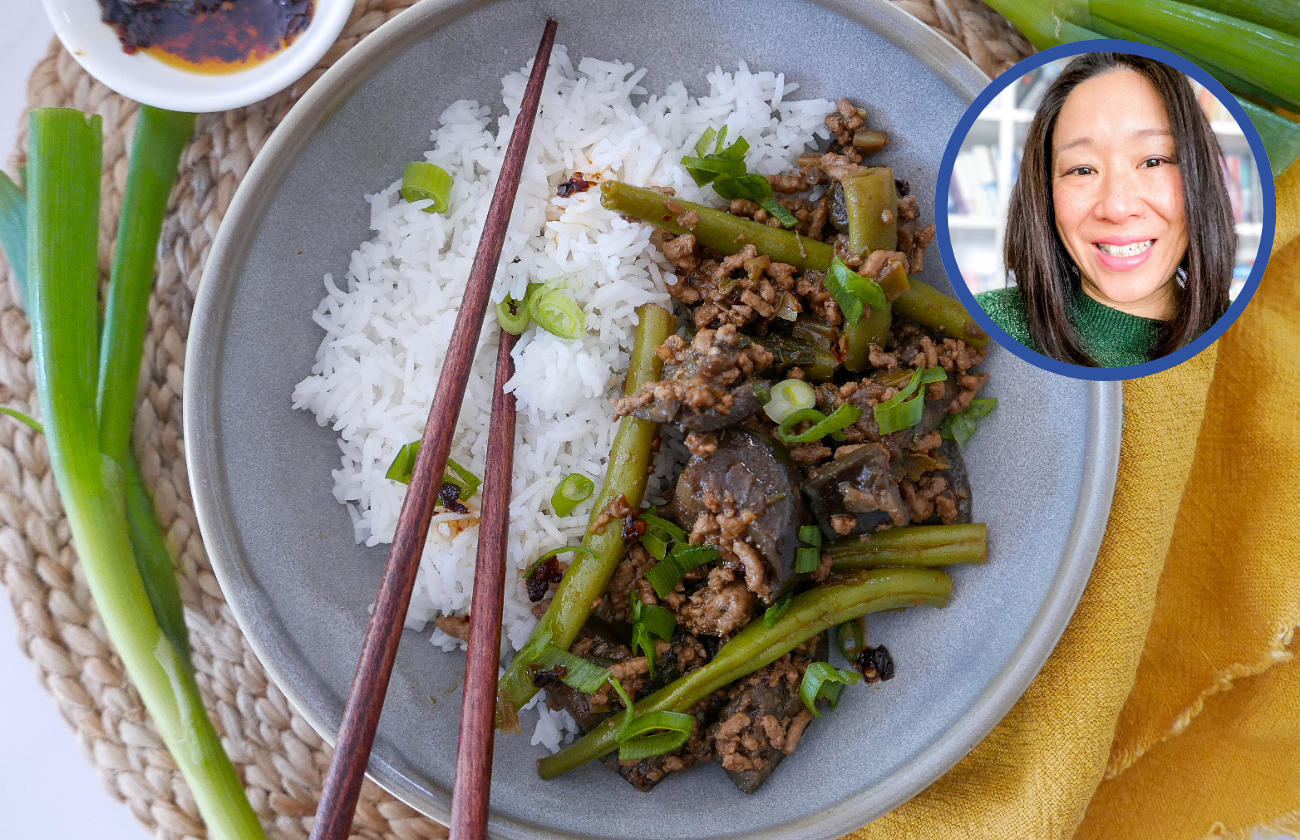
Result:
[1118,193]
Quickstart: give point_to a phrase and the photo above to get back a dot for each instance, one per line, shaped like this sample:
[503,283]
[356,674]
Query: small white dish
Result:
[144,78]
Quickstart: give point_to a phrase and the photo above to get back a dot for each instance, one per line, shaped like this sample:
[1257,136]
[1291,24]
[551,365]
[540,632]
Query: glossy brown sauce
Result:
[208,36]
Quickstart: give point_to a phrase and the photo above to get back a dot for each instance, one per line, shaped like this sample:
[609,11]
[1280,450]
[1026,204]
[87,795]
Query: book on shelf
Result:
[974,187]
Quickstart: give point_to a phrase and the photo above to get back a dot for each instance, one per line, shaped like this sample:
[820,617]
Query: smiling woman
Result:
[1120,228]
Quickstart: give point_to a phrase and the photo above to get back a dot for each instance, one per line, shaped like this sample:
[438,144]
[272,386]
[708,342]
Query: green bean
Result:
[588,575]
[717,229]
[917,545]
[840,598]
[872,203]
[727,233]
[930,307]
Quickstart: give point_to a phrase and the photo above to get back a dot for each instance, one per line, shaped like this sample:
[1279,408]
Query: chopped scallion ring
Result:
[680,560]
[580,675]
[556,312]
[512,316]
[824,680]
[851,638]
[784,216]
[404,465]
[852,291]
[811,534]
[960,427]
[649,621]
[423,180]
[572,491]
[665,530]
[635,744]
[842,417]
[787,397]
[807,559]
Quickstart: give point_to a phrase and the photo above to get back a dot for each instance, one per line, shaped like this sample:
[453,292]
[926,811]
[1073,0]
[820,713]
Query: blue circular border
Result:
[963,129]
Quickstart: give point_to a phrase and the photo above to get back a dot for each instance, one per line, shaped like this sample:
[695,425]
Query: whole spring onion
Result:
[787,397]
[823,425]
[63,284]
[680,559]
[960,427]
[824,680]
[899,412]
[649,621]
[672,730]
[809,557]
[852,291]
[423,181]
[575,489]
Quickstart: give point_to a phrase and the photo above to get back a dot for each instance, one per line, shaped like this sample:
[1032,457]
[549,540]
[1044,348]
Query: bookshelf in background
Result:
[989,161]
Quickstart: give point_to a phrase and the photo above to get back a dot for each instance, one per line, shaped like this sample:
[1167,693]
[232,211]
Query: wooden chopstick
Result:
[473,786]
[366,700]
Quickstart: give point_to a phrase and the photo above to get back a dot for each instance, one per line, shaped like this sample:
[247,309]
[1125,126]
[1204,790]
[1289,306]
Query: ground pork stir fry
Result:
[788,396]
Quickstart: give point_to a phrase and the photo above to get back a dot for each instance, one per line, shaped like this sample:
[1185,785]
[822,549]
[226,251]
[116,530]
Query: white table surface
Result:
[48,788]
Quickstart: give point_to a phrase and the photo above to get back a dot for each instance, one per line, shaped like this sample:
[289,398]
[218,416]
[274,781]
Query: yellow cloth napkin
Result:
[1171,707]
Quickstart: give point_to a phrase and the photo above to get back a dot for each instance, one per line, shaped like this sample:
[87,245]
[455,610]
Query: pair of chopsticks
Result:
[365,701]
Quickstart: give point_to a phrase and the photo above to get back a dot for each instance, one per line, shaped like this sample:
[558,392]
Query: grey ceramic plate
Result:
[1042,467]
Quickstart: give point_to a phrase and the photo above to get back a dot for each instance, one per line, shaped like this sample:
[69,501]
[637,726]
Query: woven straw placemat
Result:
[281,758]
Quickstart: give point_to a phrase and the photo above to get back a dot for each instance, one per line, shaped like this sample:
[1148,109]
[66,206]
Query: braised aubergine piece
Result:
[857,484]
[749,473]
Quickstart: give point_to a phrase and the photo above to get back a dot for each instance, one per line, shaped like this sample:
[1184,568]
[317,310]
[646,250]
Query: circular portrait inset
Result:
[1106,210]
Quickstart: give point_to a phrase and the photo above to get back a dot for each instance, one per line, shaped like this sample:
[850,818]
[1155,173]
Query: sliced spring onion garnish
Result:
[852,291]
[404,465]
[557,312]
[572,491]
[845,415]
[787,397]
[662,528]
[899,412]
[763,393]
[653,544]
[680,560]
[822,679]
[672,730]
[512,316]
[555,552]
[777,610]
[808,558]
[784,216]
[579,674]
[423,180]
[851,637]
[960,427]
[649,621]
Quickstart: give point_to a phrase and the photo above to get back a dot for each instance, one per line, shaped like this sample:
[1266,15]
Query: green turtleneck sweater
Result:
[1111,337]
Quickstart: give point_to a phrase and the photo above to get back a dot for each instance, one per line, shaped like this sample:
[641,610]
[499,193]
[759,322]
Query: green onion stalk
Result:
[114,527]
[1250,46]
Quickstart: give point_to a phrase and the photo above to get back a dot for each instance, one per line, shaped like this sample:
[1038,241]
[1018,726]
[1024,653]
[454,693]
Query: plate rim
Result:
[207,477]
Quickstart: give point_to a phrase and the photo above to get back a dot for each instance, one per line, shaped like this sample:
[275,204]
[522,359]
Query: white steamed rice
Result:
[386,327]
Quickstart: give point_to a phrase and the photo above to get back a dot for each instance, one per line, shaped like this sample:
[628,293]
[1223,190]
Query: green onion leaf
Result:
[807,559]
[25,418]
[763,393]
[842,417]
[811,534]
[13,231]
[564,549]
[851,637]
[656,547]
[787,397]
[673,730]
[512,316]
[580,675]
[777,610]
[628,706]
[702,147]
[649,621]
[423,180]
[573,490]
[899,412]
[404,465]
[667,572]
[962,426]
[853,292]
[778,210]
[556,312]
[824,680]
[665,530]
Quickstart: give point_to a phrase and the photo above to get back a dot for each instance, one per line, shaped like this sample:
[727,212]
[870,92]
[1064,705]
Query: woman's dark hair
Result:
[1047,276]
